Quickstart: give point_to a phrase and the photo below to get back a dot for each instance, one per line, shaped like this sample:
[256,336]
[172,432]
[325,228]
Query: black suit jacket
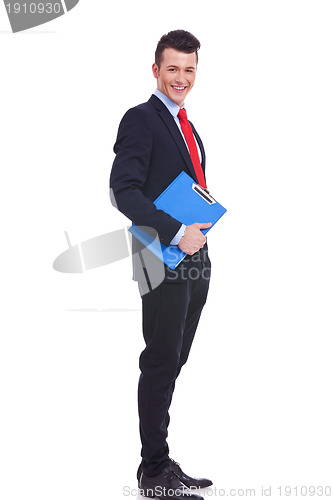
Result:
[150,153]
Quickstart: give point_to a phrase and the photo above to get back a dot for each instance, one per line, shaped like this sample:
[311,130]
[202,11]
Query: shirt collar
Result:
[172,106]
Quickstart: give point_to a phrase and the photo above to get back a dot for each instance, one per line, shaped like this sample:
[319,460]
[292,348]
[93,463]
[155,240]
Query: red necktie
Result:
[188,133]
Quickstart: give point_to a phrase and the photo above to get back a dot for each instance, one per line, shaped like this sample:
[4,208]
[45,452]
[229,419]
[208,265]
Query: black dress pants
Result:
[171,314]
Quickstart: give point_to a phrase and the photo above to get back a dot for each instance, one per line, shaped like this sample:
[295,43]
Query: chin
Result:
[178,99]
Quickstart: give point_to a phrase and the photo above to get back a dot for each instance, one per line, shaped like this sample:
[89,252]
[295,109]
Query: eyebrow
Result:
[173,66]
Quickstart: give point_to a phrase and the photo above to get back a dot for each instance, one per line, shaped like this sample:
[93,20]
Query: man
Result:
[155,143]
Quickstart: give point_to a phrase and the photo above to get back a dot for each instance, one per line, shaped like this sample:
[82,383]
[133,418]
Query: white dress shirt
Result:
[174,110]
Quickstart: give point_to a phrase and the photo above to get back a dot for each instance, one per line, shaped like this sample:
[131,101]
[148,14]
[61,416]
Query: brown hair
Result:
[180,40]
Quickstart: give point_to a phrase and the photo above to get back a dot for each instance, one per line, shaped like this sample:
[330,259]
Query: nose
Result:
[180,77]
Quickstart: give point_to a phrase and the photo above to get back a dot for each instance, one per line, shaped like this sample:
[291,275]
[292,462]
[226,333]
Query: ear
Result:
[155,70]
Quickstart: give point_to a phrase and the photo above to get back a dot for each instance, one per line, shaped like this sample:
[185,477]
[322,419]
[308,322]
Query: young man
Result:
[155,143]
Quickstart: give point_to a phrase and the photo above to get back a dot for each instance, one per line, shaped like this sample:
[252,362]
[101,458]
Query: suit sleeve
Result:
[129,172]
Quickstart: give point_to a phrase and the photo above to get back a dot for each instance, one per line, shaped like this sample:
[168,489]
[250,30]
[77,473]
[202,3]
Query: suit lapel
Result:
[174,131]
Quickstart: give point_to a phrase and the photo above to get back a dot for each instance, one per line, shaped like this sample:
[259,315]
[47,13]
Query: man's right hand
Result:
[193,238]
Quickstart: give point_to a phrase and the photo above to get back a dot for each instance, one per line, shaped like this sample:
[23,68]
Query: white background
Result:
[253,406]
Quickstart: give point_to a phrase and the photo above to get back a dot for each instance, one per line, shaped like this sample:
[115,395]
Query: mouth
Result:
[178,88]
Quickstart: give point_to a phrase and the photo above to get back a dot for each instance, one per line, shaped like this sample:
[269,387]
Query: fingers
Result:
[193,238]
[187,246]
[203,225]
[190,247]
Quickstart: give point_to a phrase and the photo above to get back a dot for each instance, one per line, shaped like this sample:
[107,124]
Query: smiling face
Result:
[176,74]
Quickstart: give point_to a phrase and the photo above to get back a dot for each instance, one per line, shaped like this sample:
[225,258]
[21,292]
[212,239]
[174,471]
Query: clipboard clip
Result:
[204,193]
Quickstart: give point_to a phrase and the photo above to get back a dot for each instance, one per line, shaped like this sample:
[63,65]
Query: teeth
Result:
[178,88]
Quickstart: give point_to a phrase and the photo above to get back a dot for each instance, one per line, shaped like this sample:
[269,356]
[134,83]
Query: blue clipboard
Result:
[187,202]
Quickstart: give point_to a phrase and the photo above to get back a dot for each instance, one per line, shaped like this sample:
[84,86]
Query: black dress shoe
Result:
[190,482]
[187,480]
[165,486]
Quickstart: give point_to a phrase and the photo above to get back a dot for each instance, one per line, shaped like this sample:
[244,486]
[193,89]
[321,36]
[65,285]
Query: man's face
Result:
[176,75]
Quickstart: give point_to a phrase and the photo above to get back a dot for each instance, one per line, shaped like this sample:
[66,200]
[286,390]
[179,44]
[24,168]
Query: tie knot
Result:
[182,114]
